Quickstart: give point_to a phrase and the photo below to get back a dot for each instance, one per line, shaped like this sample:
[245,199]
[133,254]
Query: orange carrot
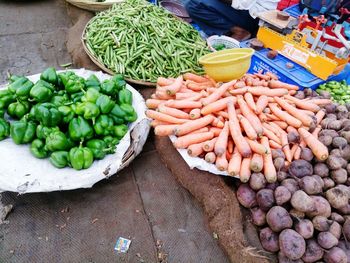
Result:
[273,84]
[244,173]
[195,97]
[193,125]
[194,77]
[269,168]
[228,156]
[257,163]
[305,119]
[321,101]
[272,136]
[215,130]
[164,117]
[236,134]
[272,127]
[195,149]
[251,117]
[173,112]
[163,95]
[184,89]
[217,123]
[183,96]
[164,82]
[305,105]
[258,91]
[230,146]
[195,114]
[297,153]
[210,157]
[316,131]
[154,96]
[212,81]
[155,123]
[319,116]
[261,104]
[239,84]
[209,145]
[247,127]
[222,119]
[217,93]
[234,165]
[292,92]
[318,149]
[201,130]
[274,144]
[294,149]
[183,104]
[285,116]
[240,91]
[262,117]
[262,76]
[221,143]
[185,141]
[285,146]
[292,129]
[271,75]
[271,117]
[281,124]
[257,147]
[307,112]
[154,103]
[217,105]
[221,162]
[250,101]
[164,130]
[197,86]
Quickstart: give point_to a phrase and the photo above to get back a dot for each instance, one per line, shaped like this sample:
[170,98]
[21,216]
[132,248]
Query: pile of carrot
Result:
[235,125]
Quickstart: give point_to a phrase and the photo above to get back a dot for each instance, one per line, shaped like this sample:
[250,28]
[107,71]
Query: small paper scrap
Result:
[122,245]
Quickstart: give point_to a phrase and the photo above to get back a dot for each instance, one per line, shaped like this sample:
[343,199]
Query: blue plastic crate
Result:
[296,75]
[293,11]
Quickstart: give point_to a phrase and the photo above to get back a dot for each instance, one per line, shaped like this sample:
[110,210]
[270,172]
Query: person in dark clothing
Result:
[235,18]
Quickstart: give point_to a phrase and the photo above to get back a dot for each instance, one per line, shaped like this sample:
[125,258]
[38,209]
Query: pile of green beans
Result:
[143,42]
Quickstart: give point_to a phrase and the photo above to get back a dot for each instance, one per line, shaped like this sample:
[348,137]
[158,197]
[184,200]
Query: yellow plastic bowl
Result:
[228,64]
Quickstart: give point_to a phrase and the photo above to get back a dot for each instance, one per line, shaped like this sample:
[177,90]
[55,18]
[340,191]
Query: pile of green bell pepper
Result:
[65,118]
[340,91]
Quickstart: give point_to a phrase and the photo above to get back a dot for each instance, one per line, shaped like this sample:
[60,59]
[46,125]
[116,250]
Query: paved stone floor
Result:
[144,202]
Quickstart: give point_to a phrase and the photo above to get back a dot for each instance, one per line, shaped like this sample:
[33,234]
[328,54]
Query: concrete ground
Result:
[143,203]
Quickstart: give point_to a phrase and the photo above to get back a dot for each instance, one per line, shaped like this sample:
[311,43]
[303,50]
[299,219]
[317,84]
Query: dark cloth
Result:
[217,18]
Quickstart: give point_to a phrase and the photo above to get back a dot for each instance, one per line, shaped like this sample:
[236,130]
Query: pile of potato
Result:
[305,215]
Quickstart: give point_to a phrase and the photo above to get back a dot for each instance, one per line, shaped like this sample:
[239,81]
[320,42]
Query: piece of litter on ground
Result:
[12,251]
[122,245]
[94,220]
[65,210]
[181,230]
[138,255]
[47,238]
[215,235]
[4,211]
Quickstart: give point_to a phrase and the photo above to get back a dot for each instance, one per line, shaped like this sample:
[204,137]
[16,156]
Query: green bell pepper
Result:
[119,131]
[21,88]
[99,148]
[88,109]
[59,159]
[125,97]
[57,141]
[80,129]
[22,131]
[42,91]
[18,109]
[103,125]
[91,95]
[67,113]
[59,100]
[6,97]
[76,97]
[47,114]
[2,113]
[131,114]
[4,129]
[111,142]
[50,76]
[42,131]
[105,104]
[71,82]
[37,148]
[12,78]
[81,157]
[117,114]
[112,86]
[93,82]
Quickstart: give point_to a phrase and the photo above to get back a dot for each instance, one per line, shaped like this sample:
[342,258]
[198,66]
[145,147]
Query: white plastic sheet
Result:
[21,172]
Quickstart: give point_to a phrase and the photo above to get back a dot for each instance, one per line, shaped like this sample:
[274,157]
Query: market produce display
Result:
[236,124]
[338,91]
[143,41]
[304,216]
[66,118]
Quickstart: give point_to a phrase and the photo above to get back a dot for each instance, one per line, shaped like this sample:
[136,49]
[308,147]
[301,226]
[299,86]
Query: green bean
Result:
[144,41]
